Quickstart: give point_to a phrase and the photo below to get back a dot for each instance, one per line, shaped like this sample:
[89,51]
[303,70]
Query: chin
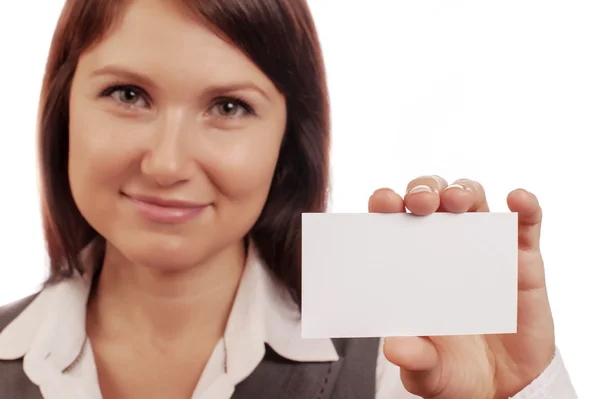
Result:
[166,262]
[161,253]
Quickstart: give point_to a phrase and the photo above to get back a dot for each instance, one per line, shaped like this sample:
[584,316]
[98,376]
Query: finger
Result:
[530,218]
[464,195]
[418,359]
[423,194]
[386,200]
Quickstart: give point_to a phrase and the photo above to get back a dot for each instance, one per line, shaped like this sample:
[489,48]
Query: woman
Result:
[179,144]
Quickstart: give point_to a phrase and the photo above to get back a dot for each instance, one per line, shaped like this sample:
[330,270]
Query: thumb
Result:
[419,362]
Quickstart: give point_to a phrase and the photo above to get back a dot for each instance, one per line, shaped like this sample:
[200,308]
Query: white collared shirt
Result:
[50,334]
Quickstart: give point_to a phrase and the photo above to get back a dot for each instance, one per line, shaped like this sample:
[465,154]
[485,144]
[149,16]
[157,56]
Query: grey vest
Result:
[352,377]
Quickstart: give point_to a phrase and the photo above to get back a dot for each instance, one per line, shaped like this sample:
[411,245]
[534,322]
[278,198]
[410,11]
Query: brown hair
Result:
[280,37]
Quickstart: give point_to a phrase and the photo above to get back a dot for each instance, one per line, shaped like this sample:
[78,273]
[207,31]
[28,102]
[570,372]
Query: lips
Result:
[165,202]
[166,210]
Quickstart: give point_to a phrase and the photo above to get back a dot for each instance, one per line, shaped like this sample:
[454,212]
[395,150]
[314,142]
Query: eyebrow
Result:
[126,74]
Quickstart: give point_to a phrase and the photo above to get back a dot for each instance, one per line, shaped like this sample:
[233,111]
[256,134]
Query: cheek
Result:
[244,173]
[99,158]
[241,171]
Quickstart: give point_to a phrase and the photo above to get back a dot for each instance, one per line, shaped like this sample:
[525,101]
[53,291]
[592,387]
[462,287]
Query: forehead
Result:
[160,36]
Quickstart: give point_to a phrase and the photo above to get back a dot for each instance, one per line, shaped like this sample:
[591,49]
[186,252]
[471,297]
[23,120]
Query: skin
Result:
[485,367]
[166,290]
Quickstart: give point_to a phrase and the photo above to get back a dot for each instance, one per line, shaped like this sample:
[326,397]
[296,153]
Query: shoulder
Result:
[19,324]
[366,362]
[357,376]
[9,312]
[357,348]
[351,376]
[13,381]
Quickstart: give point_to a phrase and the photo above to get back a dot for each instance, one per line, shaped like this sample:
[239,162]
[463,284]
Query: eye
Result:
[232,108]
[128,96]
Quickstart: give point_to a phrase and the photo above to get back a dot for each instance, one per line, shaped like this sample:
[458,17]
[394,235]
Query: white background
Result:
[507,93]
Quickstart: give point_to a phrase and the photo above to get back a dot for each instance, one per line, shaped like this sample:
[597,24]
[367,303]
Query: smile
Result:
[165,211]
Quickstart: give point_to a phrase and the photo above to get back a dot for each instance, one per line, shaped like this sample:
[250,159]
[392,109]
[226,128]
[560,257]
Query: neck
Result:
[132,300]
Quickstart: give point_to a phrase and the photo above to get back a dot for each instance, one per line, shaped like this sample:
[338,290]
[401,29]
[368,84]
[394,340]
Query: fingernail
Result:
[456,185]
[420,189]
[386,189]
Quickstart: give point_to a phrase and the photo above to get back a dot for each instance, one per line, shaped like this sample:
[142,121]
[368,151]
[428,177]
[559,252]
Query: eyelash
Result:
[108,92]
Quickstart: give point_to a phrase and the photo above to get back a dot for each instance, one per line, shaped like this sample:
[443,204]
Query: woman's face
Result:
[164,110]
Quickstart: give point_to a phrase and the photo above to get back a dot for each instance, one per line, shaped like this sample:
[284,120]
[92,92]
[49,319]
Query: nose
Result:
[167,161]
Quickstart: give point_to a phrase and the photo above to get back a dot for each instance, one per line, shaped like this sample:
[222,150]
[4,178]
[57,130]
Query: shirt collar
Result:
[53,325]
[264,312]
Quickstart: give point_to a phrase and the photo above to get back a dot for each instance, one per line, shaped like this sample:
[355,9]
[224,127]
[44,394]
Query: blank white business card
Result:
[377,275]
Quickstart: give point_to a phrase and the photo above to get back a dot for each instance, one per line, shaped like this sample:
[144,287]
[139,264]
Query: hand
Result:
[477,366]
